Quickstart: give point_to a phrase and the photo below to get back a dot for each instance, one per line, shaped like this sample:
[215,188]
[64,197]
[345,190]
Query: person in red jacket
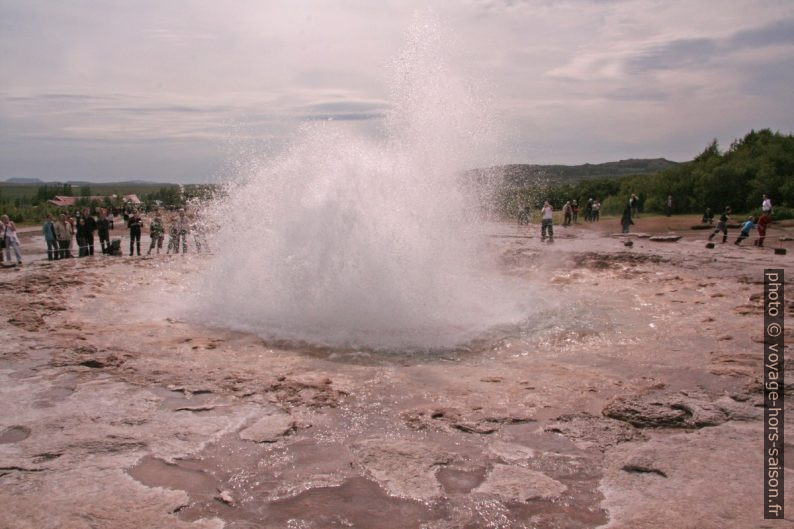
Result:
[763,222]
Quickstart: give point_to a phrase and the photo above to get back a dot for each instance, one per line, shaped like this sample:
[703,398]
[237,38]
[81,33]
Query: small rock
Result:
[225,496]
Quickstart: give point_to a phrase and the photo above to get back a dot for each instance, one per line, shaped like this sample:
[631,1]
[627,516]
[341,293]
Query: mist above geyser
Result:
[348,241]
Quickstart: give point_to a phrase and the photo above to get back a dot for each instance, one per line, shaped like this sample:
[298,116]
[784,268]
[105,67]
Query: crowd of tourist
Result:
[74,234]
[592,213]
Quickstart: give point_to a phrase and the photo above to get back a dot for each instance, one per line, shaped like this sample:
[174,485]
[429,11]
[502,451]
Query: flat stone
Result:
[517,484]
[269,428]
[404,468]
[510,452]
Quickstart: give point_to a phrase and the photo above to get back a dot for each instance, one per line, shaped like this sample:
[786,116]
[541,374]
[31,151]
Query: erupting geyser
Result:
[345,241]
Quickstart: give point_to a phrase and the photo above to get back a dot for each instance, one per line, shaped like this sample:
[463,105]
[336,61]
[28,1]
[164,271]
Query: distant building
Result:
[62,201]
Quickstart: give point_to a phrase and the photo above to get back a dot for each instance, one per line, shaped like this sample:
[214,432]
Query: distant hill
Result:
[522,175]
[31,181]
[38,182]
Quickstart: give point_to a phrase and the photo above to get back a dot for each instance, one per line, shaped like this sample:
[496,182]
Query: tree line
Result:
[34,206]
[760,163]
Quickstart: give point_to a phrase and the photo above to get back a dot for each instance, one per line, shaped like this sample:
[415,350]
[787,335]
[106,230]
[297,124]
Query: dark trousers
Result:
[52,250]
[157,242]
[104,242]
[721,227]
[64,246]
[135,237]
[82,248]
[546,224]
[89,243]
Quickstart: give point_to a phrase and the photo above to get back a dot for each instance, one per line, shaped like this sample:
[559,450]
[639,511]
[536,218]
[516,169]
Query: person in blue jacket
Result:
[746,227]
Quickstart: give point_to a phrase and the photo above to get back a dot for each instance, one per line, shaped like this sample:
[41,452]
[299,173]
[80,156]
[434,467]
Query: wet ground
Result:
[630,399]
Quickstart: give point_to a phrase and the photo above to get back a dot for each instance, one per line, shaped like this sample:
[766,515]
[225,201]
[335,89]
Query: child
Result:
[746,227]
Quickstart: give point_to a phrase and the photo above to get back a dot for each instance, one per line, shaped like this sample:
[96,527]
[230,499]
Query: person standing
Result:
[90,228]
[200,237]
[103,229]
[596,215]
[567,214]
[10,239]
[722,225]
[135,223]
[82,245]
[575,212]
[523,215]
[766,205]
[183,228]
[763,223]
[546,224]
[48,229]
[669,205]
[588,210]
[71,223]
[173,238]
[625,220]
[156,234]
[634,204]
[63,235]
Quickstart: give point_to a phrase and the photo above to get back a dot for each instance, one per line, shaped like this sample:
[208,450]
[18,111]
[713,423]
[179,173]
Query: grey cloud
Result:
[683,53]
[636,94]
[343,117]
[673,55]
[60,97]
[345,106]
[154,109]
[781,32]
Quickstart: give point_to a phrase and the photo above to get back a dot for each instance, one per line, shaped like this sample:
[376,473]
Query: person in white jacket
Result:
[766,205]
[10,239]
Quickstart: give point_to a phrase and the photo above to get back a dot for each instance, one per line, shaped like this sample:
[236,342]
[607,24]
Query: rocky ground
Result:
[631,400]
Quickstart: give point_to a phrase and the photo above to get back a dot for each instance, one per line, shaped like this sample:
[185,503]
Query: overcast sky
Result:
[174,90]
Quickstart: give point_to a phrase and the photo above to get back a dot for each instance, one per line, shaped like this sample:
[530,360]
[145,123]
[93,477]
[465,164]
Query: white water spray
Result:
[346,241]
